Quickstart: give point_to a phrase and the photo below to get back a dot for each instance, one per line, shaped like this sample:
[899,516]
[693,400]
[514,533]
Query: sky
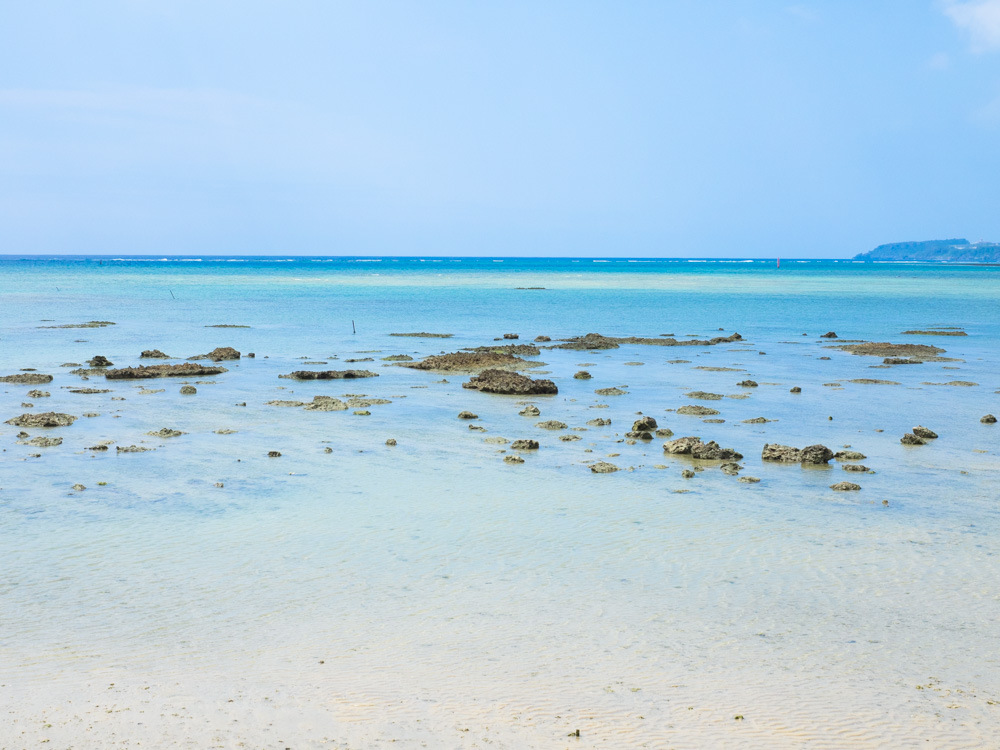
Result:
[674,128]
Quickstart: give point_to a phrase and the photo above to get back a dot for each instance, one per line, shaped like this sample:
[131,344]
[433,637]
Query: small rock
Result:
[829,335]
[911,439]
[45,419]
[816,454]
[639,435]
[274,454]
[711,451]
[329,374]
[513,459]
[747,384]
[611,392]
[681,446]
[845,487]
[45,442]
[748,480]
[813,454]
[166,432]
[79,487]
[599,422]
[510,336]
[603,467]
[188,390]
[923,432]
[795,389]
[687,474]
[552,424]
[219,484]
[467,415]
[704,396]
[530,411]
[849,456]
[219,354]
[988,419]
[542,338]
[145,372]
[697,411]
[524,445]
[694,447]
[855,467]
[731,469]
[504,382]
[583,375]
[390,441]
[323,403]
[27,378]
[644,424]
[100,361]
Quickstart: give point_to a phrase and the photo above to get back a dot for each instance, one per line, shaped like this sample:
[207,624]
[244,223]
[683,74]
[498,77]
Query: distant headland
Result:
[958,250]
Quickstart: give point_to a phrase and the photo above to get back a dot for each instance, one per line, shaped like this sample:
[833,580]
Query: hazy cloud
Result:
[989,115]
[980,19]
[197,127]
[939,61]
[803,12]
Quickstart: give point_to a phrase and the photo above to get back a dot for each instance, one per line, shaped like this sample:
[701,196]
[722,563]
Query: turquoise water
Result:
[445,590]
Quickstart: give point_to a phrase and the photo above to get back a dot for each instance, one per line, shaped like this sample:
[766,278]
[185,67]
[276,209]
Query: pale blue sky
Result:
[686,128]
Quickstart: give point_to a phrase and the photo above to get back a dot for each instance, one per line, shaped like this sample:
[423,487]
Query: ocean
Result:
[350,593]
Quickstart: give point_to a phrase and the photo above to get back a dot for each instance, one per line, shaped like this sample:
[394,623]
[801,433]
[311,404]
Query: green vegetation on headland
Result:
[959,250]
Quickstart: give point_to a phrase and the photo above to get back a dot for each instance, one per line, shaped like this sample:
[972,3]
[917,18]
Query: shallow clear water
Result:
[446,591]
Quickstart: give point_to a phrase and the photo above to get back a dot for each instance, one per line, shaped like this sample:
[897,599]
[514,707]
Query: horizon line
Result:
[144,256]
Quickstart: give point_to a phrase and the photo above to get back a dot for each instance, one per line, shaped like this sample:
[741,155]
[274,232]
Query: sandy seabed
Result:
[349,594]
